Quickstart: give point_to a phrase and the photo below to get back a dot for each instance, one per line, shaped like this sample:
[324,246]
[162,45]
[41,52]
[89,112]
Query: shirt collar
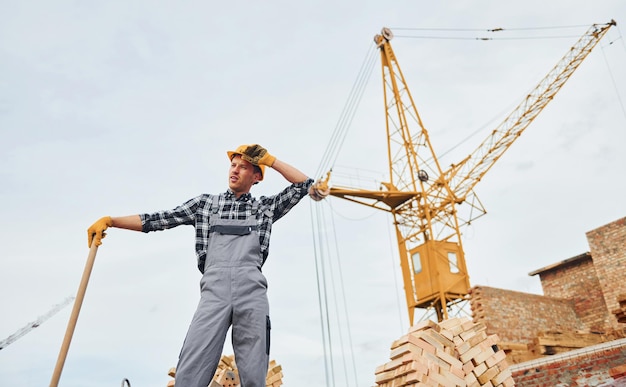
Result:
[243,198]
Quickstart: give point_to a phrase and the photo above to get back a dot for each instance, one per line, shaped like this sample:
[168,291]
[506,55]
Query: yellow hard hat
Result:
[239,151]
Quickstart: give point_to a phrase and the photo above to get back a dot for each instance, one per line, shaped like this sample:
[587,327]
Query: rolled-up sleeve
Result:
[162,220]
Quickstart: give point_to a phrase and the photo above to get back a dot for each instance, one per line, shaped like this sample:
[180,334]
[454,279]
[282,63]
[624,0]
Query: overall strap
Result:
[214,204]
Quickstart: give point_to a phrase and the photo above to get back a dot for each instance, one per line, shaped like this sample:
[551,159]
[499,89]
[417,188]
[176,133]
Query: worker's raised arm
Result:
[318,191]
[257,155]
[292,174]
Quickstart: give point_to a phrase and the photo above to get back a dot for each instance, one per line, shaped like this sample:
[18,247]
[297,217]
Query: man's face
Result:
[241,176]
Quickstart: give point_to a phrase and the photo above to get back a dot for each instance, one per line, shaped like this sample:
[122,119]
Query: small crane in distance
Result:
[34,324]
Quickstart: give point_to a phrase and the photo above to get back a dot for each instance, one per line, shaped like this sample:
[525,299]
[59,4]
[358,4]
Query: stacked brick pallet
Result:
[553,342]
[227,375]
[455,352]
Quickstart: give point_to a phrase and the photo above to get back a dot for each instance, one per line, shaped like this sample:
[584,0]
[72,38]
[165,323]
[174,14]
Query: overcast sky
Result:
[115,108]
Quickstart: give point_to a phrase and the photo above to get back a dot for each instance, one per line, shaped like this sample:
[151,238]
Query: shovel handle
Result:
[78,302]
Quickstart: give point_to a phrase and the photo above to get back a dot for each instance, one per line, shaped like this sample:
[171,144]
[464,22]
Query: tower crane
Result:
[34,324]
[425,199]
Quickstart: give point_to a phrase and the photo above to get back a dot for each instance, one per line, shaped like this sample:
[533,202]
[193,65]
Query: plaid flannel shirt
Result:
[197,211]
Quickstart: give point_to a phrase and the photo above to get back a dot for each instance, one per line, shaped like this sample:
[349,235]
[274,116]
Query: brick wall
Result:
[578,281]
[517,317]
[600,365]
[608,249]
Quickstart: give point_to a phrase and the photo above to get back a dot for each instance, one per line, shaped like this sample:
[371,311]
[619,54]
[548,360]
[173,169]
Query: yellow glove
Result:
[97,230]
[257,155]
[319,190]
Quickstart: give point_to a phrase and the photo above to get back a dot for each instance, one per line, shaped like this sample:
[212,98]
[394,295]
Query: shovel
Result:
[78,302]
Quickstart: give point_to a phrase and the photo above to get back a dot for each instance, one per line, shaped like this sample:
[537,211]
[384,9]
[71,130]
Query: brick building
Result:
[599,365]
[576,280]
[608,248]
[565,332]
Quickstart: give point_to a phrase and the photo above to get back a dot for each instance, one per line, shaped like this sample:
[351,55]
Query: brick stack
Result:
[455,352]
[227,375]
[274,375]
[172,373]
[618,373]
[620,314]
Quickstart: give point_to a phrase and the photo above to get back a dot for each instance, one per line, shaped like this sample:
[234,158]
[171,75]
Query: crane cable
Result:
[329,272]
[606,61]
[489,123]
[497,30]
[321,245]
[347,115]
[322,304]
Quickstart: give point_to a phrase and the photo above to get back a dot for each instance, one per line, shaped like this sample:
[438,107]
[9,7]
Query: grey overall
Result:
[233,291]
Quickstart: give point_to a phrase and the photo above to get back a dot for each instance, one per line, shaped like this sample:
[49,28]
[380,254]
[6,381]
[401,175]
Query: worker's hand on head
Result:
[257,155]
[319,190]
[96,231]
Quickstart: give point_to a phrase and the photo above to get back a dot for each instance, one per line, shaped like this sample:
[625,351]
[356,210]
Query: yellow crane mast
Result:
[424,198]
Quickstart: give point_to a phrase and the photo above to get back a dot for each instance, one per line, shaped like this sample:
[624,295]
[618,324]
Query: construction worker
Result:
[232,240]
